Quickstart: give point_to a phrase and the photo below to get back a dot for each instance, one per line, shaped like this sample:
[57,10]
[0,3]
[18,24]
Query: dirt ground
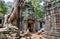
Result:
[35,36]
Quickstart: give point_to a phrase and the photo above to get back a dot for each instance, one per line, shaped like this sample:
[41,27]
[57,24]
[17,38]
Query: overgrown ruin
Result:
[22,16]
[21,23]
[52,17]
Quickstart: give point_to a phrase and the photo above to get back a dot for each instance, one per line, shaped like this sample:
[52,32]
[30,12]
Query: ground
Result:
[35,36]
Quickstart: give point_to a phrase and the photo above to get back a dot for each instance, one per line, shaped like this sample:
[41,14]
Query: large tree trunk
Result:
[12,17]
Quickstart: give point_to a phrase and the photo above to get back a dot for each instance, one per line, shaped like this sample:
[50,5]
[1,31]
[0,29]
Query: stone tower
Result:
[52,17]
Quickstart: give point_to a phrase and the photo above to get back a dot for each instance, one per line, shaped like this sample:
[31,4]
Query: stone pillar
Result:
[25,26]
[33,28]
[47,20]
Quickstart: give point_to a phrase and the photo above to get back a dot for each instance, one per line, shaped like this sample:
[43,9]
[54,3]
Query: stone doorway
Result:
[30,27]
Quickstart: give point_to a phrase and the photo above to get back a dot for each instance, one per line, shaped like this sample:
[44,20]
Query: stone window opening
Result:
[0,21]
[57,9]
[49,5]
[41,25]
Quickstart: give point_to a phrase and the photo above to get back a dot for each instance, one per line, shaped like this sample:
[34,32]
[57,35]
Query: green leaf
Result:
[3,8]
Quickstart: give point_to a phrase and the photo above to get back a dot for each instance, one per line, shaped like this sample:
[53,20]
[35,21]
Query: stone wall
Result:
[51,11]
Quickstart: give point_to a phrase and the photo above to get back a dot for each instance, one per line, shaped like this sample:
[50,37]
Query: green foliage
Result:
[38,9]
[3,7]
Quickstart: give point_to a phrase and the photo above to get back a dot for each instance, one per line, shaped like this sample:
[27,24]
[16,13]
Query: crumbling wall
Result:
[52,19]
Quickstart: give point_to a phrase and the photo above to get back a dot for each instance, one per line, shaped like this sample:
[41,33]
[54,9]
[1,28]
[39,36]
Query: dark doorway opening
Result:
[0,21]
[29,27]
[41,25]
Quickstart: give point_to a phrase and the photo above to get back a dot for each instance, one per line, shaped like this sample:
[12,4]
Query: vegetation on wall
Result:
[3,7]
[38,8]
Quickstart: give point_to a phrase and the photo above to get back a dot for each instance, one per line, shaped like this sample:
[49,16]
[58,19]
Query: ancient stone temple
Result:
[21,16]
[52,17]
[28,17]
